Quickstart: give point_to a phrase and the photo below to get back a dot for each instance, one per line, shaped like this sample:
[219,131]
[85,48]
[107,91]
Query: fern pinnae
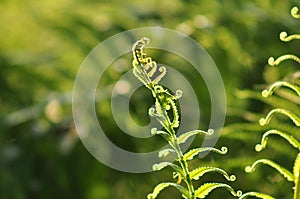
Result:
[206,188]
[165,152]
[153,68]
[200,171]
[289,114]
[164,185]
[291,102]
[284,37]
[160,166]
[289,138]
[175,122]
[193,152]
[267,93]
[184,137]
[163,72]
[286,173]
[273,62]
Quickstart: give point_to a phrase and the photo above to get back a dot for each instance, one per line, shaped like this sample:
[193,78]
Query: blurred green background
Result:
[43,44]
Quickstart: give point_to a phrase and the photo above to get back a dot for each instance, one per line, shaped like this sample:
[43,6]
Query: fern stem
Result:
[297,188]
[297,177]
[183,163]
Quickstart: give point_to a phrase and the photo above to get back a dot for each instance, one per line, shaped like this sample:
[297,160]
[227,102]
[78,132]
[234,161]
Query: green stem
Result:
[297,184]
[297,189]
[183,163]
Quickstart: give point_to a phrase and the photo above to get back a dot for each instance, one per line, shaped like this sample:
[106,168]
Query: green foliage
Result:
[294,175]
[145,70]
[42,46]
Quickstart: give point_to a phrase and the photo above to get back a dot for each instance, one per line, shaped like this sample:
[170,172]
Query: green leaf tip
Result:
[143,67]
[294,12]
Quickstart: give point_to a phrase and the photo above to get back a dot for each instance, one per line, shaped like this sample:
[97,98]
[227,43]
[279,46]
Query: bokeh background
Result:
[43,44]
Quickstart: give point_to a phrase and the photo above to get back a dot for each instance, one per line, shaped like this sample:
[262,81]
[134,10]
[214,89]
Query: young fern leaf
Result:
[160,166]
[191,153]
[292,116]
[264,139]
[165,152]
[145,69]
[287,174]
[164,185]
[200,171]
[288,102]
[266,93]
[182,138]
[206,188]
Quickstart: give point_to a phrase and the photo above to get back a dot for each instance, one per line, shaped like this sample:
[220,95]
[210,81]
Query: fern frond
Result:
[289,138]
[198,172]
[175,122]
[165,152]
[160,166]
[147,71]
[266,93]
[163,72]
[292,116]
[182,138]
[164,134]
[273,62]
[164,185]
[287,174]
[284,37]
[191,153]
[206,188]
[255,194]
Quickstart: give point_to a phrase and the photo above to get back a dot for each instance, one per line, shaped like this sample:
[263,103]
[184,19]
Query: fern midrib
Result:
[183,163]
[297,185]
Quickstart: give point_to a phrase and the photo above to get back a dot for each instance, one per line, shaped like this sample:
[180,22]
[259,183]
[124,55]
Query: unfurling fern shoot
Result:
[292,176]
[147,71]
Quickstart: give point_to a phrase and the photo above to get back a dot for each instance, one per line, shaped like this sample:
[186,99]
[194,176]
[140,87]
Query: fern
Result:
[147,71]
[292,176]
